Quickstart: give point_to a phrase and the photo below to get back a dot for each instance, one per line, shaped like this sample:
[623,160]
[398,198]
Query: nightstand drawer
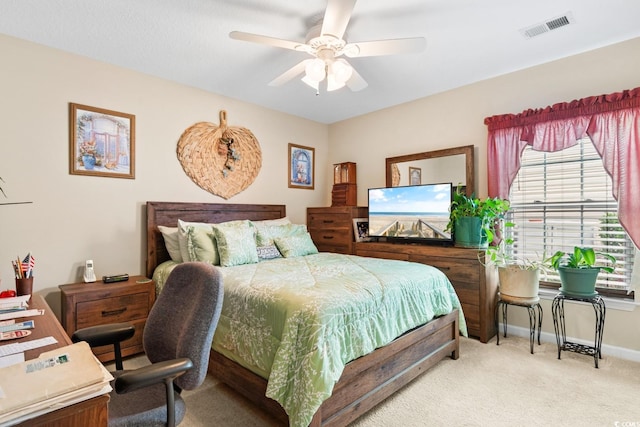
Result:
[112,310]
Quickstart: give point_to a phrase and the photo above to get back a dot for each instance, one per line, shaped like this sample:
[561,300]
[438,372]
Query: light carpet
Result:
[488,385]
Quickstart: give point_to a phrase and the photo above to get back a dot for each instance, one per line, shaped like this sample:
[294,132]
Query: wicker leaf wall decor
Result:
[223,160]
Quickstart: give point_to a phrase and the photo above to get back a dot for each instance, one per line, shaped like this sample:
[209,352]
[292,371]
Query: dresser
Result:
[476,286]
[91,304]
[332,228]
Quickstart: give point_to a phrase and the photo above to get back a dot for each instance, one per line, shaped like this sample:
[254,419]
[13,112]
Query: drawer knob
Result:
[114,312]
[327,237]
[328,221]
[444,268]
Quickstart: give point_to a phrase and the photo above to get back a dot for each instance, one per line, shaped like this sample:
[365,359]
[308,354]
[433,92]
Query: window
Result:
[563,199]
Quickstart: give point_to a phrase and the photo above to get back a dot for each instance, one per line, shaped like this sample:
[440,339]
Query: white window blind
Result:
[563,199]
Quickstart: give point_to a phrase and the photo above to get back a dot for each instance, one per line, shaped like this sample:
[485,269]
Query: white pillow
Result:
[171,242]
[280,221]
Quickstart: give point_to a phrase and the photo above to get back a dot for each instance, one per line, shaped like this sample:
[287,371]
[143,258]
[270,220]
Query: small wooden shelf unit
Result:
[345,189]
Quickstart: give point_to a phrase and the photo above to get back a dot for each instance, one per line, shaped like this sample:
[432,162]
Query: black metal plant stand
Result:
[557,308]
[533,318]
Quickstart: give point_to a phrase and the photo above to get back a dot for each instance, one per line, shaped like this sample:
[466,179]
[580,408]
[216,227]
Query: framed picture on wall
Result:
[301,166]
[102,142]
[415,176]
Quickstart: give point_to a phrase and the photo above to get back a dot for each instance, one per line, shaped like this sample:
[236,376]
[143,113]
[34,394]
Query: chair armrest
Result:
[152,374]
[100,335]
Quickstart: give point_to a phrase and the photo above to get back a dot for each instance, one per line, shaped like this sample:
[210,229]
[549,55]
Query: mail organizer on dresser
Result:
[476,286]
[332,228]
[91,304]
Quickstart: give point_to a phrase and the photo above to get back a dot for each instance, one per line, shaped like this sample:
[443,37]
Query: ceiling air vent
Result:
[549,25]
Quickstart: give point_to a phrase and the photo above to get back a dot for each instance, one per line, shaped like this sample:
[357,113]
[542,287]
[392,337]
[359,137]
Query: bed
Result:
[365,381]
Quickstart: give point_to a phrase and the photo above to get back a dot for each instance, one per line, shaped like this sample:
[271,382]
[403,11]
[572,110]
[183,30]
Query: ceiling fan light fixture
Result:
[333,83]
[341,71]
[315,70]
[314,84]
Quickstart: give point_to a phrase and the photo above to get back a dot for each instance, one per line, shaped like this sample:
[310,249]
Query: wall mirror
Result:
[447,165]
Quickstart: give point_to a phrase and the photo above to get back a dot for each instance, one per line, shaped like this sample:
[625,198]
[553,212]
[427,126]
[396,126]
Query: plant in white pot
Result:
[579,270]
[519,277]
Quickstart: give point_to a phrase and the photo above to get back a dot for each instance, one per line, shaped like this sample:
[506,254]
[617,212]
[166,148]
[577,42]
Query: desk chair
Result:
[177,340]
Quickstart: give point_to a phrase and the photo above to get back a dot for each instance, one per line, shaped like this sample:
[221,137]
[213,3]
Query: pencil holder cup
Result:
[24,286]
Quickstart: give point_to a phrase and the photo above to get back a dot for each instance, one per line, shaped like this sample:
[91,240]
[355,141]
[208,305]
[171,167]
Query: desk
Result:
[599,308]
[92,412]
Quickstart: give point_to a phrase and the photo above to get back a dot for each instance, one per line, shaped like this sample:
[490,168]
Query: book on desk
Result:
[57,378]
[78,401]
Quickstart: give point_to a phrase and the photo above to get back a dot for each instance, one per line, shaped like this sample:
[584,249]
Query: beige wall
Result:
[73,217]
[456,118]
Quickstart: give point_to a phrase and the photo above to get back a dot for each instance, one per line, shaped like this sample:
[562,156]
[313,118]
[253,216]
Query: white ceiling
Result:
[187,42]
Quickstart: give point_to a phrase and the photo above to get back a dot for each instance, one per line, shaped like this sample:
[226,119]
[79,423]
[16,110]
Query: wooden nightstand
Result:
[90,304]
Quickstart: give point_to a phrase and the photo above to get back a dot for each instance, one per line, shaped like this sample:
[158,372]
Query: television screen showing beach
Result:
[414,212]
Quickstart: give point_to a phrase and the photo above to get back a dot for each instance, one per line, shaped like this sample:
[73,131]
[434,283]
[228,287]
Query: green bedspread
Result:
[298,321]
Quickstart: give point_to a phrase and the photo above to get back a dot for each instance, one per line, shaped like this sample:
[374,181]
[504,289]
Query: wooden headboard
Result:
[168,213]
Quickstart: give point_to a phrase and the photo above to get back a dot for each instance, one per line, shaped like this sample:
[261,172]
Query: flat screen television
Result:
[411,214]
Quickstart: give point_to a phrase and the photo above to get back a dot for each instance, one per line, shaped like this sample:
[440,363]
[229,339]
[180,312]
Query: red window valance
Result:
[612,122]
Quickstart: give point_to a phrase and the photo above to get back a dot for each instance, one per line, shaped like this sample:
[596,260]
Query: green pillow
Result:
[201,244]
[294,246]
[236,243]
[266,234]
[182,236]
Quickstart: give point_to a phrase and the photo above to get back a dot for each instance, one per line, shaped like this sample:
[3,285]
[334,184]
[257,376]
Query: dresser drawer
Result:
[385,255]
[112,310]
[331,237]
[456,270]
[324,221]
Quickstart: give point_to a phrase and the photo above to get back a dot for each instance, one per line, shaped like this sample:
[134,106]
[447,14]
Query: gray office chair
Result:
[177,340]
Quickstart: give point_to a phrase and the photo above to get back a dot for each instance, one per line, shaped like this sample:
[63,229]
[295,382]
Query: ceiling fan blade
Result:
[356,82]
[290,74]
[271,41]
[385,47]
[336,17]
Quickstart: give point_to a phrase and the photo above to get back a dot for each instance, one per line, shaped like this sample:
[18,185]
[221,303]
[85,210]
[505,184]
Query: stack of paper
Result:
[56,379]
[14,303]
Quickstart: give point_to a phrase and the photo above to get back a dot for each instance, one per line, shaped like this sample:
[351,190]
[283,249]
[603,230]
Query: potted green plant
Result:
[519,277]
[473,220]
[579,270]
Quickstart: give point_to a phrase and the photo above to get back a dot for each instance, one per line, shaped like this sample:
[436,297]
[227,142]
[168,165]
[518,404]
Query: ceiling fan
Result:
[327,69]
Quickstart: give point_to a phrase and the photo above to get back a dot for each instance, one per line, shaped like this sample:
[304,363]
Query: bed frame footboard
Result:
[366,381]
